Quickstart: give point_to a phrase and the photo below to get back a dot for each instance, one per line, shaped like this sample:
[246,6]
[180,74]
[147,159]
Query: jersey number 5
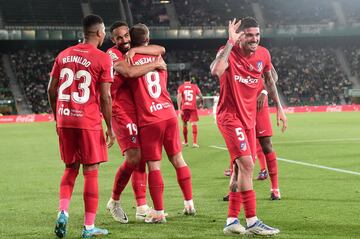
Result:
[153,84]
[69,79]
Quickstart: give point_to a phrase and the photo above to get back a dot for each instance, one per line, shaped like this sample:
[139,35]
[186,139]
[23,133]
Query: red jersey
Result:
[239,85]
[80,70]
[123,102]
[152,100]
[188,94]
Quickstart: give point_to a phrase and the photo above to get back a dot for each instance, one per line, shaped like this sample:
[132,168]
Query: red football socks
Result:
[138,181]
[156,188]
[66,188]
[185,132]
[261,156]
[249,201]
[121,179]
[183,175]
[194,131]
[91,196]
[234,204]
[273,169]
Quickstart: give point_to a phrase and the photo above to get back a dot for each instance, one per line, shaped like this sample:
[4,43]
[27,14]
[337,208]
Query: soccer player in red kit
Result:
[125,121]
[265,152]
[186,100]
[239,65]
[158,127]
[78,90]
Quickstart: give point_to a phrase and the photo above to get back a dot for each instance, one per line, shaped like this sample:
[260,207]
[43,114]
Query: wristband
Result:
[264,92]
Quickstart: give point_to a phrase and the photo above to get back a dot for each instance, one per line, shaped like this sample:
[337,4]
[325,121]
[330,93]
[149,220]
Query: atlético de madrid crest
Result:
[259,65]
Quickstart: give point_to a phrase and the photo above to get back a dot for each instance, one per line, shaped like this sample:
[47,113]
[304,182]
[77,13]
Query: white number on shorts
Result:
[132,128]
[240,134]
[188,95]
[153,83]
[84,86]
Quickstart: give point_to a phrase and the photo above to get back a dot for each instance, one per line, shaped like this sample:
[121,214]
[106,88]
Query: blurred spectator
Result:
[32,69]
[280,12]
[310,76]
[144,11]
[211,12]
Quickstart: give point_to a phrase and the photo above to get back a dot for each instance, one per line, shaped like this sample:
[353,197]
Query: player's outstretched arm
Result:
[133,71]
[220,64]
[51,92]
[273,93]
[106,103]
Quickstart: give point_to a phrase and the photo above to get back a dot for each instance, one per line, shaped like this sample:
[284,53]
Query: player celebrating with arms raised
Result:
[80,78]
[186,100]
[239,65]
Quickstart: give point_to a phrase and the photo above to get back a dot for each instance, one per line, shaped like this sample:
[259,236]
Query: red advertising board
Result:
[203,112]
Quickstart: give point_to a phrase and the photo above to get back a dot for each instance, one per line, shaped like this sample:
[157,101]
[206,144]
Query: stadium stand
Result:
[307,75]
[353,57]
[32,68]
[279,12]
[211,12]
[109,10]
[310,76]
[38,12]
[151,14]
[351,9]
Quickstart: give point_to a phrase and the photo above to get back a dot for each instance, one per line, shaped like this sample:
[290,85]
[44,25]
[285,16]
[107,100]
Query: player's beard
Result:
[123,48]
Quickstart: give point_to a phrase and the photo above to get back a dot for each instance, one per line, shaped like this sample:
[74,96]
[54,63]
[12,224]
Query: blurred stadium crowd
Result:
[308,75]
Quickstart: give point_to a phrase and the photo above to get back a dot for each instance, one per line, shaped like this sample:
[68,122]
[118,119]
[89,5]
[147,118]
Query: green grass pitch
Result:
[316,202]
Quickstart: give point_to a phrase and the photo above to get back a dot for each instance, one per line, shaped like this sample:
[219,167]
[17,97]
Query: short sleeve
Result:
[115,55]
[107,70]
[267,63]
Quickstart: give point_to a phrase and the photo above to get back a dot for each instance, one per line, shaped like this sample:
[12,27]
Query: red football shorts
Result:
[126,131]
[81,145]
[240,142]
[190,115]
[154,136]
[263,122]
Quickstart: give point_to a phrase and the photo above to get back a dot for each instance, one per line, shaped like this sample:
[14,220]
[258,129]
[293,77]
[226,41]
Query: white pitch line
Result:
[316,141]
[302,163]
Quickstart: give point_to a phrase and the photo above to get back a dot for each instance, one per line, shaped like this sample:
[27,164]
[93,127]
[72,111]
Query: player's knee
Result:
[246,165]
[153,165]
[177,160]
[90,167]
[133,156]
[266,145]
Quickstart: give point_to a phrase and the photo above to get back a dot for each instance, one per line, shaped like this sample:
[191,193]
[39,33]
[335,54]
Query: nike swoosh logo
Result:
[261,132]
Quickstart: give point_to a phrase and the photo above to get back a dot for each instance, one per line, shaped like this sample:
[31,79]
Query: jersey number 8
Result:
[153,83]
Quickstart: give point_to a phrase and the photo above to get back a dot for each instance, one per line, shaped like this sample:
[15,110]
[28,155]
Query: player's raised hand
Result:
[281,117]
[110,137]
[234,34]
[160,63]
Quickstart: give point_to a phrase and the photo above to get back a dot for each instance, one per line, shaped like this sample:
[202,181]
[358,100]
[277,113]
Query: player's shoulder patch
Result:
[113,55]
